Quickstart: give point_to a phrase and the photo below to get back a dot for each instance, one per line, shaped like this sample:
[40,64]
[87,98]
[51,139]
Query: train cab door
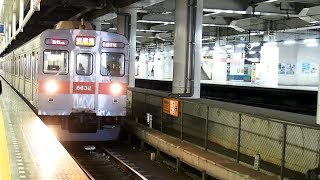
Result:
[84,83]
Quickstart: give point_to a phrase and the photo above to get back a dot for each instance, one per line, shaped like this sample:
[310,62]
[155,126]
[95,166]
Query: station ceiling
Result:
[230,19]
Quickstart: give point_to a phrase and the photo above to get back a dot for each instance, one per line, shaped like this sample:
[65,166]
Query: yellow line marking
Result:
[5,173]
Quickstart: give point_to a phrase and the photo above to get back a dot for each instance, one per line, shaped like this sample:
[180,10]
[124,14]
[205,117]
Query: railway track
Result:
[120,160]
[104,163]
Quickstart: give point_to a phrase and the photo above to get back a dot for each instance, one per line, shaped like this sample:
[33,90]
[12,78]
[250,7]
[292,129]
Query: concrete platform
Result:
[28,149]
[211,163]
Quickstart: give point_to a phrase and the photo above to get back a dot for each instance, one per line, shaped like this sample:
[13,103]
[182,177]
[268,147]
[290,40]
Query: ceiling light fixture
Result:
[271,43]
[309,41]
[241,45]
[289,42]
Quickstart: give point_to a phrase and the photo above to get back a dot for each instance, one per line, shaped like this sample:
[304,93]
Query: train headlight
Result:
[115,88]
[51,87]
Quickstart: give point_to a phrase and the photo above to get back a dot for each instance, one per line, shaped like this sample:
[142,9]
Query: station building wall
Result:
[306,65]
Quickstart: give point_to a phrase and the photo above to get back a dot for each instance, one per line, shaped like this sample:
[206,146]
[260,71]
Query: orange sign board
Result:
[171,107]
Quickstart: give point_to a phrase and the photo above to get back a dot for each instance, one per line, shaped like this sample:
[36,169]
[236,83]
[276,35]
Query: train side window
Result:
[112,64]
[55,61]
[84,64]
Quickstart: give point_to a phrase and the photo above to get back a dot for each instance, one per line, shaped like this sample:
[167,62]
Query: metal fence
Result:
[276,146]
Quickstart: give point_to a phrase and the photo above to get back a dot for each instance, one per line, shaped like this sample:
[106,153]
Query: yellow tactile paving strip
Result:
[5,173]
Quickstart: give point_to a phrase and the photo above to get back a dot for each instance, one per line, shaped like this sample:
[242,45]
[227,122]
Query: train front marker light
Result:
[51,87]
[116,88]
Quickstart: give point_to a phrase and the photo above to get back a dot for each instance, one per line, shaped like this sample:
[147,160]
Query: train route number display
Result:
[83,87]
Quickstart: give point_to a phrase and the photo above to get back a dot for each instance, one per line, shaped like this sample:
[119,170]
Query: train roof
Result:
[73,25]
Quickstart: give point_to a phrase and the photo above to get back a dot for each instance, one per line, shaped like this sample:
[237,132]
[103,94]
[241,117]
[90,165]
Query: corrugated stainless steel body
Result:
[101,104]
[24,69]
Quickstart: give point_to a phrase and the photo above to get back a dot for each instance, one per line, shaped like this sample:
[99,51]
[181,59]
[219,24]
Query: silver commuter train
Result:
[76,79]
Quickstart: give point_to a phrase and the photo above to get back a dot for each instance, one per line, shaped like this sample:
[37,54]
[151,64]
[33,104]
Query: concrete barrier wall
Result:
[258,135]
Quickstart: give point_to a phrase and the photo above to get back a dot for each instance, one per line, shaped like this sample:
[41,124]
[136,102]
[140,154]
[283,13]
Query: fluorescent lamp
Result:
[253,59]
[312,44]
[271,43]
[229,51]
[307,41]
[205,48]
[252,52]
[255,44]
[289,42]
[241,45]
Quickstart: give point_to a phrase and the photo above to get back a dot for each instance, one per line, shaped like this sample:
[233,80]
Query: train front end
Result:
[83,83]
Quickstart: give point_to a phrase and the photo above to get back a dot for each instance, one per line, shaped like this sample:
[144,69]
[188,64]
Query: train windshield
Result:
[112,64]
[55,61]
[84,64]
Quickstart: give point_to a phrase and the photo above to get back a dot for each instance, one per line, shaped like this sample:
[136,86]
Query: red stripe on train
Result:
[63,87]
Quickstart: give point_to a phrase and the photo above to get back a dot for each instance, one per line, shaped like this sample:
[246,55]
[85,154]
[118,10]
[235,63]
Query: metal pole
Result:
[142,145]
[144,109]
[161,117]
[181,121]
[158,155]
[239,138]
[204,175]
[206,130]
[178,165]
[132,110]
[283,158]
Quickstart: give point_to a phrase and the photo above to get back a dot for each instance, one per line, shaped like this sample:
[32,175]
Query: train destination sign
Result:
[108,44]
[171,106]
[85,41]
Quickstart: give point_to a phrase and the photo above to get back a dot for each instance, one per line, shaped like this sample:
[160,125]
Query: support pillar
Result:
[10,31]
[31,4]
[14,23]
[318,104]
[187,48]
[21,13]
[127,26]
[6,26]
